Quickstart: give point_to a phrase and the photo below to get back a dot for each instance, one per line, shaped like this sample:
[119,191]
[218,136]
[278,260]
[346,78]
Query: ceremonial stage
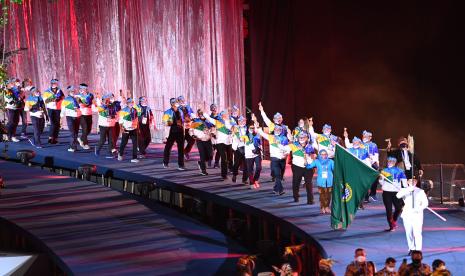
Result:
[443,240]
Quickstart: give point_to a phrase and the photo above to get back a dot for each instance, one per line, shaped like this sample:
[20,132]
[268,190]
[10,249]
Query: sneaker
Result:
[181,168]
[114,151]
[256,184]
[141,156]
[49,140]
[373,198]
[134,160]
[80,142]
[86,147]
[203,173]
[24,136]
[14,139]
[71,150]
[38,147]
[120,157]
[165,166]
[281,193]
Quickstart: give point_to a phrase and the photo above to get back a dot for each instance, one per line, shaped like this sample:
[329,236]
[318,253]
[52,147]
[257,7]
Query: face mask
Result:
[143,104]
[112,100]
[416,262]
[176,105]
[301,125]
[366,140]
[327,132]
[361,259]
[443,267]
[390,165]
[390,268]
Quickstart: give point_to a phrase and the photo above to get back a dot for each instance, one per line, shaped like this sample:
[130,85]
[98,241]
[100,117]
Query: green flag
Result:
[352,179]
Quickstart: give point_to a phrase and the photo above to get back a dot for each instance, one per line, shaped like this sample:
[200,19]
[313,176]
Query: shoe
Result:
[96,152]
[203,173]
[187,156]
[80,142]
[390,229]
[181,168]
[373,198]
[234,179]
[141,156]
[165,165]
[24,136]
[281,193]
[274,192]
[49,140]
[14,139]
[31,142]
[120,158]
[86,147]
[256,184]
[135,160]
[114,151]
[71,150]
[38,147]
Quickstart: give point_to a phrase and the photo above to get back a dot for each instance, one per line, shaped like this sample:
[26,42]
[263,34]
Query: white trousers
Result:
[413,224]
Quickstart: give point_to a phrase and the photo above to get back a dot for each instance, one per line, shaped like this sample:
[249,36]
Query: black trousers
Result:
[73,126]
[116,135]
[239,160]
[297,174]
[283,171]
[178,137]
[144,138]
[205,152]
[222,151]
[390,199]
[54,117]
[277,168]
[38,125]
[23,116]
[217,155]
[190,141]
[230,153]
[124,141]
[106,133]
[251,162]
[86,127]
[13,120]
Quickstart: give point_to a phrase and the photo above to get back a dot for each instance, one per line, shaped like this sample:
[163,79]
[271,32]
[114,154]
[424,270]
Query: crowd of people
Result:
[224,139]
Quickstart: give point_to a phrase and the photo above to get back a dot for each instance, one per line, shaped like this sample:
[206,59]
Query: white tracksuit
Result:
[412,215]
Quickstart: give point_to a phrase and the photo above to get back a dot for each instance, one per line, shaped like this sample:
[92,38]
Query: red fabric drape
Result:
[161,49]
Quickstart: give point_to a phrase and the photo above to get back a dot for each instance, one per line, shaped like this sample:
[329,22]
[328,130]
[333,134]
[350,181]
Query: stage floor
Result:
[442,240]
[95,230]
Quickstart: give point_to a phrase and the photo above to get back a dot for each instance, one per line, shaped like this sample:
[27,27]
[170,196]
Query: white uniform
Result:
[412,215]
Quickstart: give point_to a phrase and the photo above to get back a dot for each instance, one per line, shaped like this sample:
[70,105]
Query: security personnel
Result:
[53,98]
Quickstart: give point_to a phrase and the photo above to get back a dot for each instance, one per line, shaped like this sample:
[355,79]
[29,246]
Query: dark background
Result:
[391,68]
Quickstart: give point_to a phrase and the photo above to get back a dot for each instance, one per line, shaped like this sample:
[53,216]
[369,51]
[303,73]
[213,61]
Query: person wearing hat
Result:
[223,138]
[200,131]
[86,100]
[392,179]
[189,115]
[373,155]
[118,105]
[53,98]
[239,136]
[324,180]
[145,121]
[106,123]
[325,140]
[416,267]
[278,155]
[214,114]
[173,119]
[13,105]
[253,155]
[415,201]
[70,109]
[405,159]
[301,151]
[35,105]
[359,151]
[129,121]
[23,94]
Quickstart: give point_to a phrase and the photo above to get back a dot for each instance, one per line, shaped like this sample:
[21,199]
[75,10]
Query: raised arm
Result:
[267,120]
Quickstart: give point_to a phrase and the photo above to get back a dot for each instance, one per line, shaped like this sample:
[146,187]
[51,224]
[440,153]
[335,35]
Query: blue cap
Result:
[356,139]
[391,158]
[322,151]
[173,100]
[277,115]
[129,100]
[367,133]
[278,128]
[70,88]
[181,98]
[106,96]
[241,118]
[326,126]
[303,134]
[54,81]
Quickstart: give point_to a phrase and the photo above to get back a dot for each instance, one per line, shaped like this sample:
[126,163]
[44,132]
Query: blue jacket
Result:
[360,153]
[323,166]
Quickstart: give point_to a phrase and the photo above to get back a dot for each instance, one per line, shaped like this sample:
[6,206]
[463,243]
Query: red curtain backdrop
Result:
[390,68]
[160,49]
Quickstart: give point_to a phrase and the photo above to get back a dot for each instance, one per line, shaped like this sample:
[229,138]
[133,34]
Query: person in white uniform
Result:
[412,215]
